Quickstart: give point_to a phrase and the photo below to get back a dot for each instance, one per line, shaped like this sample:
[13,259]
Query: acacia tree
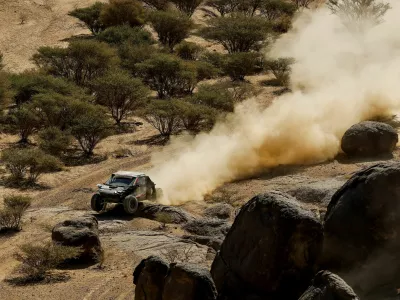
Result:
[171,27]
[276,9]
[356,12]
[120,93]
[168,75]
[237,32]
[224,7]
[123,12]
[156,4]
[90,128]
[90,16]
[81,62]
[187,6]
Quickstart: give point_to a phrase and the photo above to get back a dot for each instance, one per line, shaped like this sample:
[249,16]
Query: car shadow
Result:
[114,212]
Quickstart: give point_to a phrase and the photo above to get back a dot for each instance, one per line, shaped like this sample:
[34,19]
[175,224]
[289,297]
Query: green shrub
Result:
[54,141]
[241,64]
[281,68]
[238,32]
[90,16]
[57,110]
[5,90]
[14,209]
[81,62]
[224,7]
[118,35]
[275,9]
[163,115]
[171,27]
[120,93]
[195,117]
[187,6]
[214,58]
[131,55]
[29,162]
[123,12]
[28,84]
[90,128]
[214,96]
[205,70]
[38,260]
[168,75]
[156,4]
[188,50]
[24,121]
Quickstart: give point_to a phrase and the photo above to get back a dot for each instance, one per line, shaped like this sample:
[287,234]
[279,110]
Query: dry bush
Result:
[11,214]
[281,68]
[38,260]
[173,255]
[164,219]
[23,17]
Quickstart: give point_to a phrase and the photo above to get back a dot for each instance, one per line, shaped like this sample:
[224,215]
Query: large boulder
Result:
[270,251]
[163,213]
[210,241]
[328,286]
[156,280]
[149,277]
[189,282]
[219,211]
[362,226]
[207,227]
[80,232]
[369,139]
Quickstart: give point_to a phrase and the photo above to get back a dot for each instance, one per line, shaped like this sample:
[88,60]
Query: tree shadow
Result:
[79,37]
[271,82]
[76,158]
[28,280]
[281,91]
[155,140]
[22,184]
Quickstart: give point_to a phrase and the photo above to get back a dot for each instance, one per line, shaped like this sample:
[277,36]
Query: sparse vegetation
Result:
[188,50]
[238,32]
[187,6]
[54,141]
[90,16]
[120,93]
[81,62]
[90,128]
[37,261]
[280,68]
[171,27]
[123,12]
[173,255]
[26,165]
[11,214]
[241,64]
[163,115]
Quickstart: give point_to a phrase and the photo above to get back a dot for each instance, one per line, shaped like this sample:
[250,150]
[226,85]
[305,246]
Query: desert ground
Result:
[26,25]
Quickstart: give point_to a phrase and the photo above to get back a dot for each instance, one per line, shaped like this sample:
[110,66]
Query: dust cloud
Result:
[339,78]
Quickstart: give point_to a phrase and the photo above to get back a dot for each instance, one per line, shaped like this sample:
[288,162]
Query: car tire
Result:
[97,203]
[131,204]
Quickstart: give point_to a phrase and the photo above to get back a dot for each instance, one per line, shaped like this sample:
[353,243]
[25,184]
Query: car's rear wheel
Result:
[131,204]
[97,203]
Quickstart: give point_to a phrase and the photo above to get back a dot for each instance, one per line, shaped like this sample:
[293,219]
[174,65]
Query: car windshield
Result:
[121,181]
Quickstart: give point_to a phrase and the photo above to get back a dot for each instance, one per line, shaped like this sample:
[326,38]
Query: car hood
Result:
[105,189]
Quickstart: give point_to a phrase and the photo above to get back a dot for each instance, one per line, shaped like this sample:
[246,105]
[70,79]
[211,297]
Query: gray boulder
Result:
[270,251]
[156,280]
[149,277]
[168,214]
[219,211]
[80,232]
[328,286]
[207,227]
[369,139]
[362,226]
[189,282]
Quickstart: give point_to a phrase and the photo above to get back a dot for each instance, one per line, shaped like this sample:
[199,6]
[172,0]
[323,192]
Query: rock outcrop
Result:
[328,286]
[369,139]
[270,251]
[80,232]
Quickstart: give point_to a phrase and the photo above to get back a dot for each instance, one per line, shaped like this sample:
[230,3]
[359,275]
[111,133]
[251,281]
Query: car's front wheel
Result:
[97,203]
[131,204]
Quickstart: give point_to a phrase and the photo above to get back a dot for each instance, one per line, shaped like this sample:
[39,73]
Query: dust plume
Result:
[339,78]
